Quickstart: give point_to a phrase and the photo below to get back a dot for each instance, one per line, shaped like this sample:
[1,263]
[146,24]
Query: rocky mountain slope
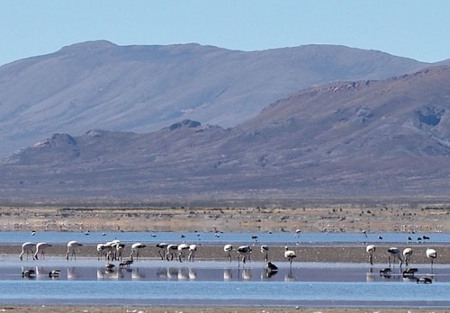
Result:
[99,85]
[366,139]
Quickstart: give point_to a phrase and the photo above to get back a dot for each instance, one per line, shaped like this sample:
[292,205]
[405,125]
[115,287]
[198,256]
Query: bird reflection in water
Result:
[246,274]
[227,274]
[370,276]
[289,276]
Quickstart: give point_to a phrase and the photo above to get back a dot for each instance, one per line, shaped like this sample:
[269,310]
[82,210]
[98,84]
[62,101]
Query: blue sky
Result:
[409,28]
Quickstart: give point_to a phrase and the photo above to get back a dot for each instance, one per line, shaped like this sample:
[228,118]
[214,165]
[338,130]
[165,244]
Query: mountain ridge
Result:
[144,88]
[355,139]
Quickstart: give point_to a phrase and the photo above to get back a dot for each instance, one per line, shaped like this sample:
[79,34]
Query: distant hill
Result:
[99,85]
[366,139]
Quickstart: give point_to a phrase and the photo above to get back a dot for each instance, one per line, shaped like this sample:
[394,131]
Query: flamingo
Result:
[394,253]
[431,254]
[192,251]
[407,252]
[101,247]
[40,248]
[135,248]
[181,248]
[119,247]
[290,255]
[245,252]
[28,248]
[71,246]
[227,249]
[170,250]
[370,249]
[265,251]
[161,246]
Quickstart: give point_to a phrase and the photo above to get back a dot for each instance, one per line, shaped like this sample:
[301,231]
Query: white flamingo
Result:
[431,254]
[135,249]
[370,249]
[101,251]
[407,253]
[290,255]
[244,251]
[394,252]
[192,251]
[28,248]
[265,252]
[170,251]
[40,249]
[161,247]
[181,248]
[71,249]
[227,249]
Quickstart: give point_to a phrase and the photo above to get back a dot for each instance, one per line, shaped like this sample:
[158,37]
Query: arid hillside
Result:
[360,140]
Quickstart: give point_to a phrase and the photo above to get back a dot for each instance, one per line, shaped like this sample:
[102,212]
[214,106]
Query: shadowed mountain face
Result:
[98,85]
[360,139]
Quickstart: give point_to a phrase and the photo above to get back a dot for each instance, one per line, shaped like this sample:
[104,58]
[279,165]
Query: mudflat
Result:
[336,218]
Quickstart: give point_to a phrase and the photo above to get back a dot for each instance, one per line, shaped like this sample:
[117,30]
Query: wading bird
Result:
[394,252]
[192,251]
[431,254]
[407,253]
[244,251]
[370,249]
[289,255]
[265,252]
[135,250]
[40,249]
[71,249]
[27,247]
[227,249]
[162,246]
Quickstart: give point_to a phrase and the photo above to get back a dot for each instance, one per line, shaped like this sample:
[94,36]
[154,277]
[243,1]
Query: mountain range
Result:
[99,85]
[345,140]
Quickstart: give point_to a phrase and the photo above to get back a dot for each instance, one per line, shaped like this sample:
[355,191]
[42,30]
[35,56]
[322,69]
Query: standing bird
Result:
[28,248]
[290,255]
[71,247]
[40,249]
[265,252]
[407,253]
[181,248]
[135,249]
[244,251]
[170,251]
[370,249]
[227,249]
[162,246]
[192,251]
[431,254]
[394,253]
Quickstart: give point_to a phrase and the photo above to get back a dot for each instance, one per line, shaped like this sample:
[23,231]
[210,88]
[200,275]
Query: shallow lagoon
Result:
[155,282]
[221,238]
[220,283]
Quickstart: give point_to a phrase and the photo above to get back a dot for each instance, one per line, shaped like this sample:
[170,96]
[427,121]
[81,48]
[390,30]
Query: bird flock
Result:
[114,251]
[403,257]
